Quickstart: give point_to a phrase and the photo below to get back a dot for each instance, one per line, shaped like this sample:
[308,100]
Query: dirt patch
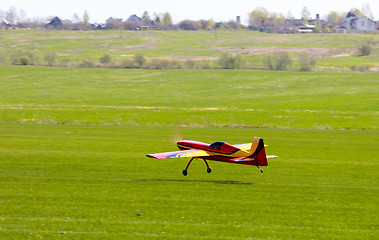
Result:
[134,47]
[315,52]
[187,58]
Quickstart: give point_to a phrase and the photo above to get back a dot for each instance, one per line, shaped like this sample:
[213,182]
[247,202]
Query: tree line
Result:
[260,19]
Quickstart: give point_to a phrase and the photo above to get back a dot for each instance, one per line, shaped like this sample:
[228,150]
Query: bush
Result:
[189,25]
[190,64]
[127,63]
[279,61]
[228,61]
[23,60]
[364,68]
[365,50]
[64,62]
[306,64]
[49,58]
[87,63]
[163,63]
[139,60]
[105,59]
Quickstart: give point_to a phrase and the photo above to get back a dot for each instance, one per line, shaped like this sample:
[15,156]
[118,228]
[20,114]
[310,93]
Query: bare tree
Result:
[189,25]
[76,18]
[305,13]
[11,15]
[366,10]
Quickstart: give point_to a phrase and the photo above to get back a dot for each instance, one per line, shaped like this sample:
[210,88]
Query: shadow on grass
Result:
[192,181]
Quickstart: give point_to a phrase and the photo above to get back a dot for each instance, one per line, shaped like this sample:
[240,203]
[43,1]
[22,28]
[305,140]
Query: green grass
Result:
[94,182]
[73,47]
[73,145]
[238,98]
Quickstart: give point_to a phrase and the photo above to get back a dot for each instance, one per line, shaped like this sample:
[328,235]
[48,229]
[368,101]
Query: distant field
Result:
[73,143]
[333,52]
[195,98]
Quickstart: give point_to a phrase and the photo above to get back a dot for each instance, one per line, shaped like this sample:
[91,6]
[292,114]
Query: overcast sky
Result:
[220,10]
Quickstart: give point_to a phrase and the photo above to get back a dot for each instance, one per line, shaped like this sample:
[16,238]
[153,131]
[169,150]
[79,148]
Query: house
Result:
[340,29]
[5,24]
[354,24]
[302,26]
[134,18]
[55,23]
[306,29]
[113,23]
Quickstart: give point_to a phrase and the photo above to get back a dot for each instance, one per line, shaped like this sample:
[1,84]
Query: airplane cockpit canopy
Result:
[216,145]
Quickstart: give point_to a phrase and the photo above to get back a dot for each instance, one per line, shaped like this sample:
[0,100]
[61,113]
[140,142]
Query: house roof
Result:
[134,18]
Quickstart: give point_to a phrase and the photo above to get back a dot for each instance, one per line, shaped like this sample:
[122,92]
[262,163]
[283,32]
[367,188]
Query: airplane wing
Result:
[180,154]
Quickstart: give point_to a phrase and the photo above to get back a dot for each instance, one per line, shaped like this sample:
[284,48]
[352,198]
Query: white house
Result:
[365,24]
[362,24]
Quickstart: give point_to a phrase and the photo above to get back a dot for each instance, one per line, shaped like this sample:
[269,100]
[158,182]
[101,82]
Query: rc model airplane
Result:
[248,153]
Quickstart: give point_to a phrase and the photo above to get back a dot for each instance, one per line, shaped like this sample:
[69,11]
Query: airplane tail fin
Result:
[258,152]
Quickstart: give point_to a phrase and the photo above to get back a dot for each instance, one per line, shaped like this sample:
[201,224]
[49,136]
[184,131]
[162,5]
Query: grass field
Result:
[333,52]
[93,182]
[202,98]
[73,145]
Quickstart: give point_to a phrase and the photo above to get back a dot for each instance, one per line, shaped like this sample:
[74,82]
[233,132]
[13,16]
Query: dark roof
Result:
[134,18]
[56,22]
[350,15]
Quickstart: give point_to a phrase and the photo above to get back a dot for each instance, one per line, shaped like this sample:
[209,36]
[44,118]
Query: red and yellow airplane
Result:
[248,153]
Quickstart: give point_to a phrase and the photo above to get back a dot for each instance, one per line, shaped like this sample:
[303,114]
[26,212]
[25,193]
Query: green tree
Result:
[357,12]
[258,18]
[167,18]
[333,18]
[86,17]
[317,26]
[145,17]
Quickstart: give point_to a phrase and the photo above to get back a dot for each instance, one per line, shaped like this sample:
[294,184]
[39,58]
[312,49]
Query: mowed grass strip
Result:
[194,98]
[65,181]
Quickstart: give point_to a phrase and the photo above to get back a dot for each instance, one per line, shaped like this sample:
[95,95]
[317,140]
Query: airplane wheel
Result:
[209,170]
[184,172]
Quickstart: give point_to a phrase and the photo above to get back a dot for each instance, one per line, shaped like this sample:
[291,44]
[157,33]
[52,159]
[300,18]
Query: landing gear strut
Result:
[185,170]
[260,169]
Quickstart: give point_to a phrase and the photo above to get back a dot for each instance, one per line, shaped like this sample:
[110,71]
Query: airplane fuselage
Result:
[219,151]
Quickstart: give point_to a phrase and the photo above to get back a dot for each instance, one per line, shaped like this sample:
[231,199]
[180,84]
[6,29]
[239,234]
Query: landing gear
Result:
[260,169]
[209,170]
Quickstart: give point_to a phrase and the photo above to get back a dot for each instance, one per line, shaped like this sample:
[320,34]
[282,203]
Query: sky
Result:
[220,10]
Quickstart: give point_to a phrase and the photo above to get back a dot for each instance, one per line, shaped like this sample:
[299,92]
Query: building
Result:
[354,24]
[134,18]
[55,23]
